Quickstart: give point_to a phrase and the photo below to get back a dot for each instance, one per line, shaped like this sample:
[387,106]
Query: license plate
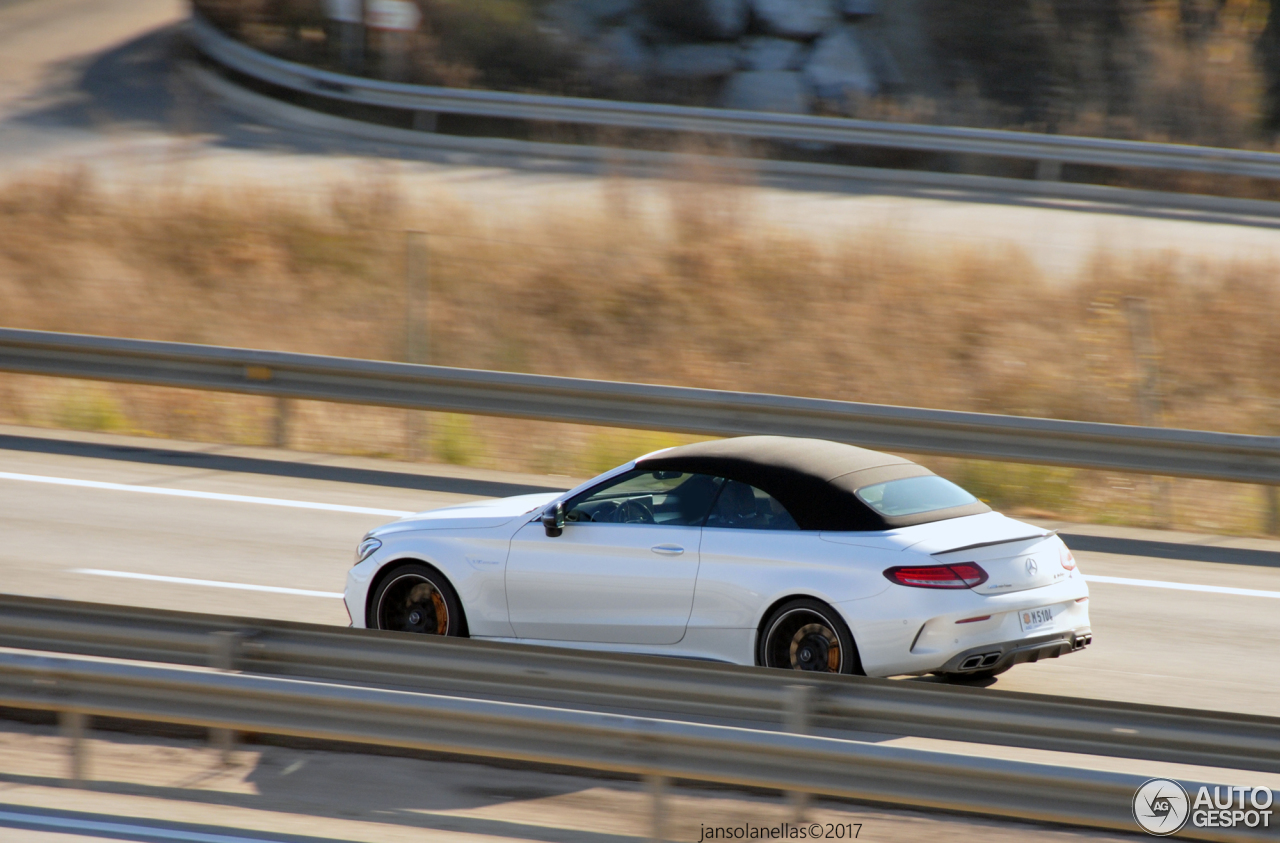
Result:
[1033,619]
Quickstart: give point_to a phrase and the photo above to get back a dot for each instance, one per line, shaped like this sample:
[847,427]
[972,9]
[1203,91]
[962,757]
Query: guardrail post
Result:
[1273,510]
[1048,170]
[425,121]
[796,719]
[658,808]
[417,348]
[1150,404]
[280,433]
[393,22]
[73,725]
[223,648]
[346,33]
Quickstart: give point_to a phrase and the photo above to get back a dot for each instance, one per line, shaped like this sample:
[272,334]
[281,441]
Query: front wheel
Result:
[808,635]
[414,598]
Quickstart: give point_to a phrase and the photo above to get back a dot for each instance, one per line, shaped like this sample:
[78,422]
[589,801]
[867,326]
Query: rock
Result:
[697,61]
[620,49]
[584,18]
[839,67]
[767,53]
[859,8]
[768,90]
[726,18]
[608,11]
[888,74]
[565,18]
[795,18]
[710,19]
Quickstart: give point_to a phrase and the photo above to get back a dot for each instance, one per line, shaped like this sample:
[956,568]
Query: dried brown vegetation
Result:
[696,292]
[1186,70]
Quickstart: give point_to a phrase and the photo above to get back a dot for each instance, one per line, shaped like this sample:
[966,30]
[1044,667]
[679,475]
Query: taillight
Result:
[1068,561]
[964,575]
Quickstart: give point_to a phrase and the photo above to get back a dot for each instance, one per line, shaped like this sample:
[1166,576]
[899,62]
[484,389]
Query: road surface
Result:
[1178,619]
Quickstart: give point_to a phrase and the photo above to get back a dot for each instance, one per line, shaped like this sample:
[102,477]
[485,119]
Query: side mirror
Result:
[553,519]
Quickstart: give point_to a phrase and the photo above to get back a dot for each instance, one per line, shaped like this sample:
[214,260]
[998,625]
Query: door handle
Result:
[668,549]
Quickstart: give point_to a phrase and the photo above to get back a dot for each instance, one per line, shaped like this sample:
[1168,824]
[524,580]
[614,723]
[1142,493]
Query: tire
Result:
[415,598]
[808,635]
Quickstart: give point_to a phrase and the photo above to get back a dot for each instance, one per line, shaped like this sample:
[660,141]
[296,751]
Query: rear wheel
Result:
[414,598]
[808,635]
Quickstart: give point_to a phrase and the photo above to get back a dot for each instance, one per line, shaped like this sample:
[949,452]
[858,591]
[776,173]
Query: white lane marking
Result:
[211,496]
[274,589]
[122,829]
[1182,586]
[271,589]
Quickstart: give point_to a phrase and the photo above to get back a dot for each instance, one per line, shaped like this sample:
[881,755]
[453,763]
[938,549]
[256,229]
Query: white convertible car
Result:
[762,550]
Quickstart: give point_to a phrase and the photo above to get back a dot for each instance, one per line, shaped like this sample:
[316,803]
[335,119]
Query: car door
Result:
[752,551]
[623,570]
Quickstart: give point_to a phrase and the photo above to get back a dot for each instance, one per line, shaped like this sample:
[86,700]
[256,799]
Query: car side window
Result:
[672,498]
[744,507]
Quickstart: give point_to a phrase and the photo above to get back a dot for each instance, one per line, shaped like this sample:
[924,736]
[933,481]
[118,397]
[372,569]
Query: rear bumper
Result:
[914,631]
[1002,656]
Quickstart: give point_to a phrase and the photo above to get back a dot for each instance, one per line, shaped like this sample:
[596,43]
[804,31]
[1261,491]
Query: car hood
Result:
[472,515]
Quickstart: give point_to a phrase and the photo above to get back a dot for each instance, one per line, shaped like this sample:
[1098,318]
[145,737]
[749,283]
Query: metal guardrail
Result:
[601,741]
[1054,149]
[1186,453]
[666,688]
[277,112]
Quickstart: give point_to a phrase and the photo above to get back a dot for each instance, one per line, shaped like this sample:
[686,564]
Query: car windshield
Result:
[913,495]
[674,498]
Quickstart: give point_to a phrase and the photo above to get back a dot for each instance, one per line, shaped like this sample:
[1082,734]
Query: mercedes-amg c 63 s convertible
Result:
[786,553]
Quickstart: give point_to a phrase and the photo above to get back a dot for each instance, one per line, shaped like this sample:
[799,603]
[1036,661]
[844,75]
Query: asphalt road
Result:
[215,552]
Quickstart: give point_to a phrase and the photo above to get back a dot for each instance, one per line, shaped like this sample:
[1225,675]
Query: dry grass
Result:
[1162,69]
[691,293]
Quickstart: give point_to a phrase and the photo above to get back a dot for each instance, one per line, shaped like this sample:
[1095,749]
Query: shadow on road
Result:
[131,85]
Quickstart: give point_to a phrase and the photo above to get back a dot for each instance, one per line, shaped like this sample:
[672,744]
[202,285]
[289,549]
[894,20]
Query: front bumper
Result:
[1000,657]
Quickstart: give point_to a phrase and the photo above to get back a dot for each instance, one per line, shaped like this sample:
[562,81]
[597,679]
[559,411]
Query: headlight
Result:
[366,549]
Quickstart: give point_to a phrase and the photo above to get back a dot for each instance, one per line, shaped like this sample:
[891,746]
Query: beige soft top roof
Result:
[813,478]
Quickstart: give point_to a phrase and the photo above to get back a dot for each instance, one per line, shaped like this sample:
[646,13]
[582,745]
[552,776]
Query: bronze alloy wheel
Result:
[815,647]
[413,598]
[808,635]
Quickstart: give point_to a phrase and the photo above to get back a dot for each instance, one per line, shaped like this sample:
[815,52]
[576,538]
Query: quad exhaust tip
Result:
[980,660]
[1046,650]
